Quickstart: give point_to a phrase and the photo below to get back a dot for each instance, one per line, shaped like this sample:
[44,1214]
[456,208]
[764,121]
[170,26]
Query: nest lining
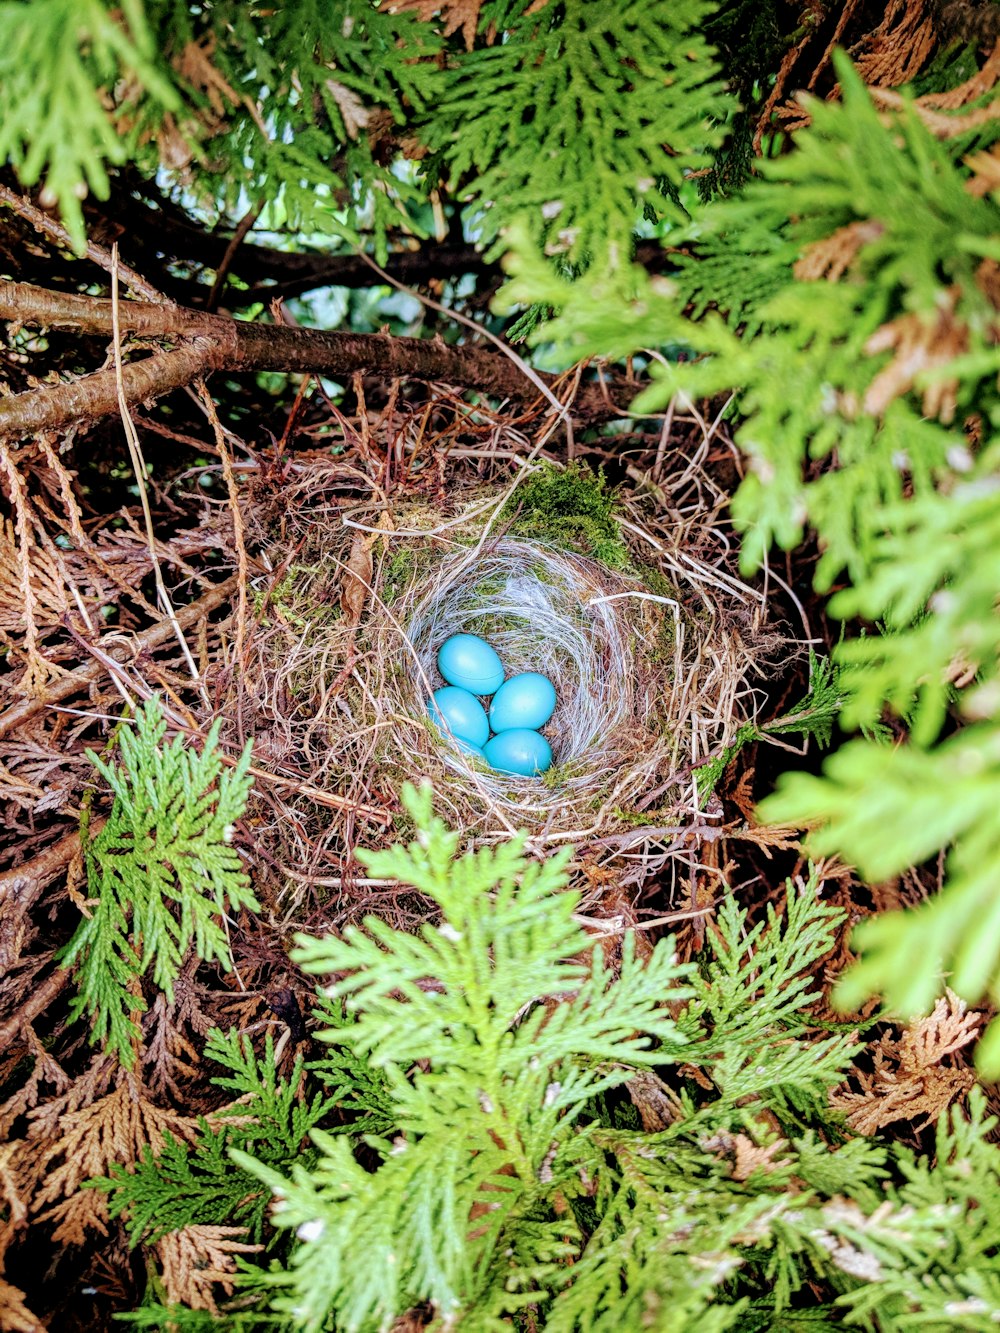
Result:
[542,610]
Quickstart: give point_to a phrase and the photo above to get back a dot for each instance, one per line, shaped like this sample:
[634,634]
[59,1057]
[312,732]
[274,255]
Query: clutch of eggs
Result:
[519,707]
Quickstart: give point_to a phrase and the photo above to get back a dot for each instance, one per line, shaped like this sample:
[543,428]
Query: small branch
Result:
[215,342]
[36,1004]
[154,637]
[96,396]
[24,303]
[163,229]
[57,232]
[23,885]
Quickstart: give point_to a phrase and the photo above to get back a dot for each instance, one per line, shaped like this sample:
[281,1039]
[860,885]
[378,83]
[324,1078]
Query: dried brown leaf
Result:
[915,1076]
[195,66]
[114,1128]
[751,1157]
[831,257]
[31,584]
[352,110]
[15,1317]
[455,15]
[919,344]
[985,169]
[196,1260]
[357,579]
[40,567]
[973,88]
[897,50]
[14,1188]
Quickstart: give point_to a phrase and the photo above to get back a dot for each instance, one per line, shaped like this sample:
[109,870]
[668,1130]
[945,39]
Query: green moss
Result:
[284,597]
[571,508]
[402,567]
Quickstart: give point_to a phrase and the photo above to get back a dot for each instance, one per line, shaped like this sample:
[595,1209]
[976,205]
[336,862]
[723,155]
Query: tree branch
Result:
[159,227]
[215,342]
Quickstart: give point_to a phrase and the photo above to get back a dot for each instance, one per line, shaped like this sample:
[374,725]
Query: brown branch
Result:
[36,1004]
[58,233]
[96,396]
[239,236]
[215,342]
[160,228]
[23,884]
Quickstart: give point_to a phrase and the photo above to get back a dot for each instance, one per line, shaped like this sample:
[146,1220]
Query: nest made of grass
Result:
[651,661]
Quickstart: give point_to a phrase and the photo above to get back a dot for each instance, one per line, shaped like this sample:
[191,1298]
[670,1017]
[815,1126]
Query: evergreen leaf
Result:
[162,871]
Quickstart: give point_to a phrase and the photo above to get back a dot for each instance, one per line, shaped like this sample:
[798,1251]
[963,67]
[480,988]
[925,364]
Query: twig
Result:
[57,232]
[38,1002]
[239,540]
[215,342]
[24,883]
[141,475]
[239,236]
[154,637]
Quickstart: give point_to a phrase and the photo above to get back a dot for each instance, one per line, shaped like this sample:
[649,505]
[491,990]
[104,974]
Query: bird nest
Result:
[649,645]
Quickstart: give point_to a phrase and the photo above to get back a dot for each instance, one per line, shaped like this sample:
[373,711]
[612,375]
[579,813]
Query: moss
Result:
[284,597]
[401,568]
[573,509]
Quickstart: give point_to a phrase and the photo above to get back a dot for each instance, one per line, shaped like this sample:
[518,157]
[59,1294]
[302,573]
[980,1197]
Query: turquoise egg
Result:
[473,751]
[520,751]
[526,700]
[461,713]
[469,662]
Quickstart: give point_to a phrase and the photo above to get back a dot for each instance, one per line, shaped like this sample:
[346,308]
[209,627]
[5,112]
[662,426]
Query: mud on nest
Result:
[651,663]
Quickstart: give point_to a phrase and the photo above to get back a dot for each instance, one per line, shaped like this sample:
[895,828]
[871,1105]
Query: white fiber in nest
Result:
[543,610]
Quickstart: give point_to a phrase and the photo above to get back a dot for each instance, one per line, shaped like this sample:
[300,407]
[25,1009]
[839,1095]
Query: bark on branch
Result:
[205,342]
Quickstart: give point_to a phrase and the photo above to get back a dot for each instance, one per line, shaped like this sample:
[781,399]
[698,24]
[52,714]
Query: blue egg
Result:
[520,751]
[469,662]
[527,700]
[474,751]
[461,713]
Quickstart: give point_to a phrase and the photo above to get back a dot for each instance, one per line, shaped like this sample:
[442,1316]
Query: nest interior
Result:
[626,605]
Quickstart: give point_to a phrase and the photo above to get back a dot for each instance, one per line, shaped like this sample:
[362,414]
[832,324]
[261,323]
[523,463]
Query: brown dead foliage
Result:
[919,344]
[833,255]
[897,50]
[199,1262]
[455,15]
[938,111]
[915,1075]
[15,1317]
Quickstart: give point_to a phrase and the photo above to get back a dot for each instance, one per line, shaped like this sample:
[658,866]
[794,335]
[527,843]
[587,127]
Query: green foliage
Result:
[816,714]
[187,1184]
[873,314]
[55,55]
[604,97]
[316,76]
[957,932]
[570,507]
[954,1282]
[344,119]
[162,874]
[813,717]
[515,1183]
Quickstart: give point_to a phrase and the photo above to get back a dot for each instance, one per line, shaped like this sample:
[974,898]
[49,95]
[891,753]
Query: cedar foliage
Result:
[162,874]
[874,244]
[506,1175]
[528,1132]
